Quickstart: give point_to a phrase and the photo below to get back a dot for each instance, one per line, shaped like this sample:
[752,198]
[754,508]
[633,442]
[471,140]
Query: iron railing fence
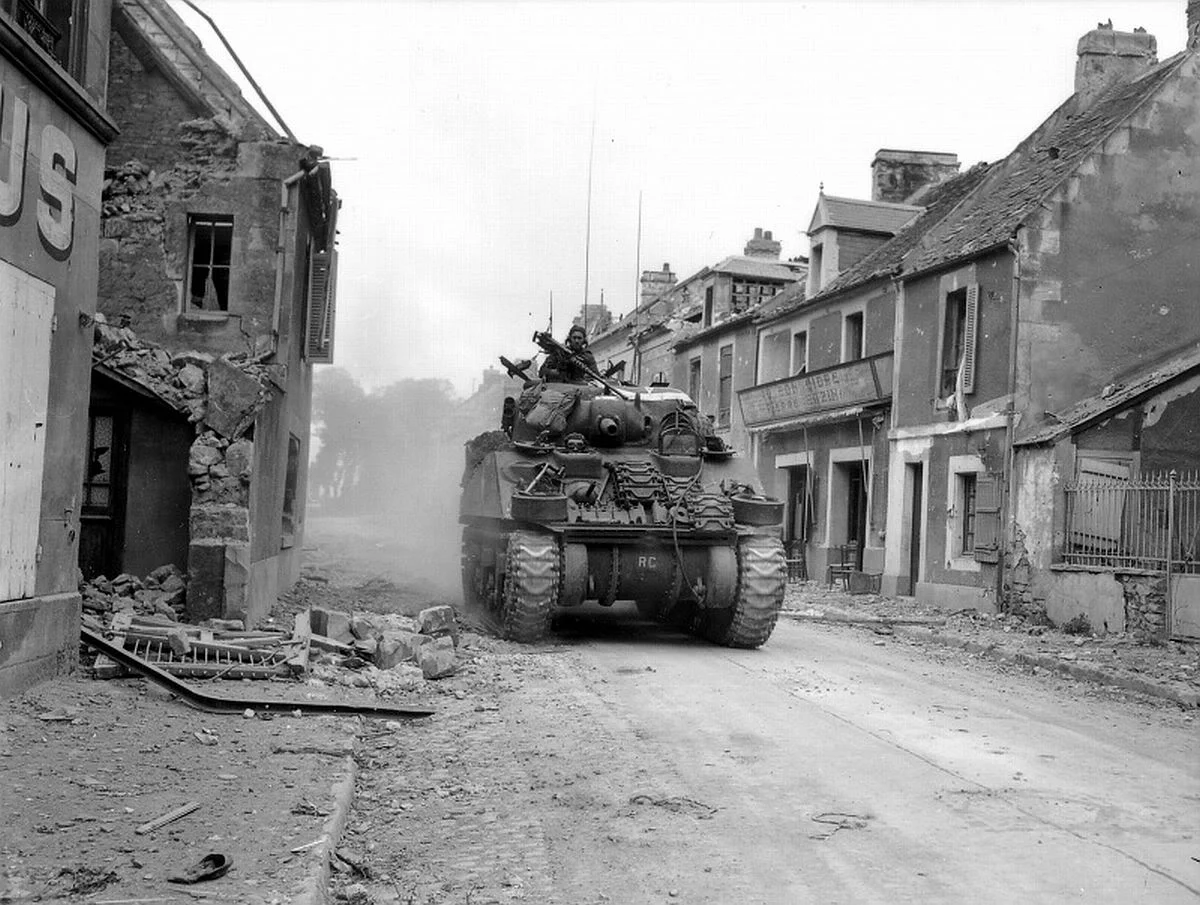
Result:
[1148,522]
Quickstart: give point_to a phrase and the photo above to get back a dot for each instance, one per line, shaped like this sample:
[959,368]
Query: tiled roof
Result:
[1016,185]
[856,213]
[1113,397]
[885,261]
[940,201]
[758,268]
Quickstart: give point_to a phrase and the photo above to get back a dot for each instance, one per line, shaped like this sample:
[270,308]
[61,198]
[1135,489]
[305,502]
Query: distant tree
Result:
[340,415]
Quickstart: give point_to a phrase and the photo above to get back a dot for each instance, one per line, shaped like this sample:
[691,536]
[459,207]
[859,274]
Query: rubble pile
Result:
[182,379]
[161,593]
[387,652]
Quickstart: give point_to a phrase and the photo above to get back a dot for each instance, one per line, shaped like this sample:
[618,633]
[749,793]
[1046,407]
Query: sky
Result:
[464,135]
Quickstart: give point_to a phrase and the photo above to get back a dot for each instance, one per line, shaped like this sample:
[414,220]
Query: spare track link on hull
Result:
[531,582]
[762,578]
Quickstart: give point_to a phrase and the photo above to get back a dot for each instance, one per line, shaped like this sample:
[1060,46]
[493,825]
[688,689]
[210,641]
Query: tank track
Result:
[762,578]
[532,572]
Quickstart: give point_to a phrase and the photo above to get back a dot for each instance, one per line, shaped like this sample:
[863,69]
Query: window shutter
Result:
[970,338]
[322,284]
[987,518]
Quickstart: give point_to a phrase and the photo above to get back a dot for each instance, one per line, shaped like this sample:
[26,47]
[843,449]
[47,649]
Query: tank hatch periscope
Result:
[604,492]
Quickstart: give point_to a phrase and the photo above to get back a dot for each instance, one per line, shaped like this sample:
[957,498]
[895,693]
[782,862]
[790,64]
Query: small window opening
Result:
[210,255]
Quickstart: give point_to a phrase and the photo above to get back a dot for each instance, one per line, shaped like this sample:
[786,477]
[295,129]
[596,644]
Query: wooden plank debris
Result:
[169,817]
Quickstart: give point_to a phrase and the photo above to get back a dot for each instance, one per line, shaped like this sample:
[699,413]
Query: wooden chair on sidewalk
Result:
[841,567]
[797,565]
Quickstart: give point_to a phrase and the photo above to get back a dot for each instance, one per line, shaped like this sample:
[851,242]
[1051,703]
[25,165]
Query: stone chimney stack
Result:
[762,246]
[1107,57]
[1193,25]
[655,284]
[896,176]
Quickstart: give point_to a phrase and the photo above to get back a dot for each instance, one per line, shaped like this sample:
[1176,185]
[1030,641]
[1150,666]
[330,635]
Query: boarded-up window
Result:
[26,309]
[1099,508]
[774,356]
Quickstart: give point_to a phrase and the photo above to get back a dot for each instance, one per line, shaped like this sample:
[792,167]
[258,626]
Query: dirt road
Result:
[625,764]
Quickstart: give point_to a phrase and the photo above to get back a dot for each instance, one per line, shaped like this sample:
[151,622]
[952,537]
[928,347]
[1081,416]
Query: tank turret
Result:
[601,491]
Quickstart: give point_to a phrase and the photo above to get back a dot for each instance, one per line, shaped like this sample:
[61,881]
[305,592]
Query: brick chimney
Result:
[762,246]
[1107,57]
[655,284]
[1193,25]
[897,176]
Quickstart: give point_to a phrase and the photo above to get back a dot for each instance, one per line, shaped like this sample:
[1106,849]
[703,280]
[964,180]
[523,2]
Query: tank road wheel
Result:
[762,577]
[530,586]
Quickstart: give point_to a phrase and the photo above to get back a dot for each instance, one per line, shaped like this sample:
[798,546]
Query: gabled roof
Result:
[1114,397]
[884,262]
[940,201]
[162,40]
[1017,185]
[858,214]
[756,268]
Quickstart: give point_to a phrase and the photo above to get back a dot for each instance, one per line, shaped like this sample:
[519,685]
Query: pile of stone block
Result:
[161,593]
[389,642]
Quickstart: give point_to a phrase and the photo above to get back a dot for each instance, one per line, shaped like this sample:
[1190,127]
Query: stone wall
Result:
[221,397]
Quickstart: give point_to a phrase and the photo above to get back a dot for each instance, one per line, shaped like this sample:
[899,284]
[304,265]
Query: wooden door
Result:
[26,312]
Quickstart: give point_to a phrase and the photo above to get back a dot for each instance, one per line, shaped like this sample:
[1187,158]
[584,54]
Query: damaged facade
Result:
[217,271]
[53,85]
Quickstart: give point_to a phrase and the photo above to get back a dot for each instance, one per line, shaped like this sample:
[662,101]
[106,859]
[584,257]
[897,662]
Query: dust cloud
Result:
[387,469]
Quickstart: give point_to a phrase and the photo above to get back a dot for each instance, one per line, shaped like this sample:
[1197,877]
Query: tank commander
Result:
[573,368]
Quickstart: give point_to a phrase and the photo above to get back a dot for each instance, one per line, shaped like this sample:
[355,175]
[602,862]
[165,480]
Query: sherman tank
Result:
[602,491]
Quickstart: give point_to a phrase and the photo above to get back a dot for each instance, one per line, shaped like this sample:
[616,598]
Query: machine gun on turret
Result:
[552,346]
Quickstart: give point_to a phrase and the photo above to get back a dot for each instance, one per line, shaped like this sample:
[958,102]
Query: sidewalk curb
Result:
[315,889]
[842,619]
[1091,674]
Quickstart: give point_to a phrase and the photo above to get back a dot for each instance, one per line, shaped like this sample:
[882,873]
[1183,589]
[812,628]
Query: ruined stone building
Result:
[217,266]
[53,84]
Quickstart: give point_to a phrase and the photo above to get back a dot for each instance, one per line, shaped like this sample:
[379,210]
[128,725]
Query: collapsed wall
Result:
[220,396]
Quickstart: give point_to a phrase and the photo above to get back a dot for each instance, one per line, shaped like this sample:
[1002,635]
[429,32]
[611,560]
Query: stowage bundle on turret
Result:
[599,491]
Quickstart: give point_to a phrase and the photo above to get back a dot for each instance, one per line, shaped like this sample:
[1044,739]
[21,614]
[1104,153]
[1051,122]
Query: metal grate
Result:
[1150,522]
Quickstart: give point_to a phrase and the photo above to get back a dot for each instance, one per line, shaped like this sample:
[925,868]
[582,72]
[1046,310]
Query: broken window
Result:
[852,337]
[59,27]
[289,489]
[725,386]
[98,479]
[800,352]
[210,253]
[958,341]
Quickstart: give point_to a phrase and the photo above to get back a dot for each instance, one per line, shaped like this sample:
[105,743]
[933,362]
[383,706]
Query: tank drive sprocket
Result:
[762,578]
[532,574]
